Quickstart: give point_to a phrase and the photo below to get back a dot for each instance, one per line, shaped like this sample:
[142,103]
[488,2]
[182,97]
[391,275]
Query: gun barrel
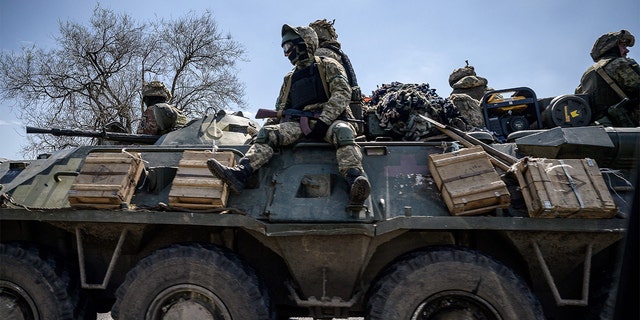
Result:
[40,130]
[114,136]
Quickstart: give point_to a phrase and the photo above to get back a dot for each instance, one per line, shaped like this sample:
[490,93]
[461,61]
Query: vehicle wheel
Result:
[32,287]
[192,282]
[451,283]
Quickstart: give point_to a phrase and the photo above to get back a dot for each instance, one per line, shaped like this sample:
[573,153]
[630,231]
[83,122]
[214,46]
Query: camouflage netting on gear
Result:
[398,106]
[469,108]
[325,30]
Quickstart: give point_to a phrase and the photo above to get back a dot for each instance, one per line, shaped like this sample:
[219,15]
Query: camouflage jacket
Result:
[625,72]
[336,85]
[326,52]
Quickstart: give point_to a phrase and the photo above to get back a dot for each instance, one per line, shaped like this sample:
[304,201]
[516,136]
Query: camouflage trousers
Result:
[286,133]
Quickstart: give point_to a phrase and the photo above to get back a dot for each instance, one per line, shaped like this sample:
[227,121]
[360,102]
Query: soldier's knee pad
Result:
[265,136]
[344,135]
[262,136]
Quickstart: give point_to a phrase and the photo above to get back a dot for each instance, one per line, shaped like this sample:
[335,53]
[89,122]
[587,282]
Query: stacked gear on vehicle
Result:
[468,90]
[465,81]
[397,107]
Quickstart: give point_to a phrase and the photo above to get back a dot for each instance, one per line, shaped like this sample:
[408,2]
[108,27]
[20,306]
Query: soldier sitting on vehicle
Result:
[613,82]
[329,46]
[159,117]
[317,84]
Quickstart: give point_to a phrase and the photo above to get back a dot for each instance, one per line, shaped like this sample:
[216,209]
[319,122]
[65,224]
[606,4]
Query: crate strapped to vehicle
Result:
[468,181]
[564,188]
[106,180]
[194,187]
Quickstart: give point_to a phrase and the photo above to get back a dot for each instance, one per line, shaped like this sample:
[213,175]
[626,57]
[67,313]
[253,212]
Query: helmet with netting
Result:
[325,30]
[155,89]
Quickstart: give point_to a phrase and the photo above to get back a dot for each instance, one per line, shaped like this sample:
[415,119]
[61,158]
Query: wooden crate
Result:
[194,186]
[106,180]
[468,181]
[564,188]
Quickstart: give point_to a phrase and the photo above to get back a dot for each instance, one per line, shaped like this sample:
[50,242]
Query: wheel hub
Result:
[15,303]
[455,305]
[187,301]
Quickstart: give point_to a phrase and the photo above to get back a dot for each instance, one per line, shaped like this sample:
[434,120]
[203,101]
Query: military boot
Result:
[359,187]
[234,177]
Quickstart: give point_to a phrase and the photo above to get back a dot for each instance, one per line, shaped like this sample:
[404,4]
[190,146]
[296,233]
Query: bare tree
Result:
[203,62]
[94,75]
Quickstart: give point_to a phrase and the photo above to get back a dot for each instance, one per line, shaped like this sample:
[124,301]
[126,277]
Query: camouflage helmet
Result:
[307,34]
[610,40]
[460,73]
[325,30]
[155,89]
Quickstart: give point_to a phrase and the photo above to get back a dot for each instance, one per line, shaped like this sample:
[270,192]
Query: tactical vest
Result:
[307,87]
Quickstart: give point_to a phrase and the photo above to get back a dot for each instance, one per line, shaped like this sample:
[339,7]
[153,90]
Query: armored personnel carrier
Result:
[478,232]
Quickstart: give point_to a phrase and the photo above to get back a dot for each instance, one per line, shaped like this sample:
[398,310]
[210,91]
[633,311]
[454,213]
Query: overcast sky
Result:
[542,44]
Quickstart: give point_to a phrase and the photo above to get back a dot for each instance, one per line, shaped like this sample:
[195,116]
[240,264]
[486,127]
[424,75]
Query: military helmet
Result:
[610,40]
[155,89]
[307,34]
[289,35]
[325,30]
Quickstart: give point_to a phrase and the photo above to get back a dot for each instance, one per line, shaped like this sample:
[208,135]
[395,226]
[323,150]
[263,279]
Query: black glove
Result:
[319,130]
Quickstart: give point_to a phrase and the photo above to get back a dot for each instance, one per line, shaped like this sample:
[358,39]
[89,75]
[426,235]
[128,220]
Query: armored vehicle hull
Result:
[287,245]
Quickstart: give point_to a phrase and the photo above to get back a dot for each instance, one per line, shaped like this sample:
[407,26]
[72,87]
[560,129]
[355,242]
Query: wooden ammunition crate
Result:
[106,180]
[554,188]
[468,181]
[194,186]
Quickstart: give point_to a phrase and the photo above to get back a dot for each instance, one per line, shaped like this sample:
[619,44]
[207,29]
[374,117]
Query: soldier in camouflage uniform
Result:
[613,82]
[159,117]
[327,39]
[329,46]
[316,84]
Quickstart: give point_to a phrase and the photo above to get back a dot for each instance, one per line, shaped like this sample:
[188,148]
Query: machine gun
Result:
[114,136]
[287,114]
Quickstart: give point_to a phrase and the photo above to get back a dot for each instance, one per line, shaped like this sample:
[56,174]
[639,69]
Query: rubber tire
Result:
[422,275]
[40,277]
[221,272]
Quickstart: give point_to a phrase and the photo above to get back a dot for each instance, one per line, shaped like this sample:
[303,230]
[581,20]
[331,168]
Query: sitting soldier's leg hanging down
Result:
[236,177]
[349,159]
[359,187]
